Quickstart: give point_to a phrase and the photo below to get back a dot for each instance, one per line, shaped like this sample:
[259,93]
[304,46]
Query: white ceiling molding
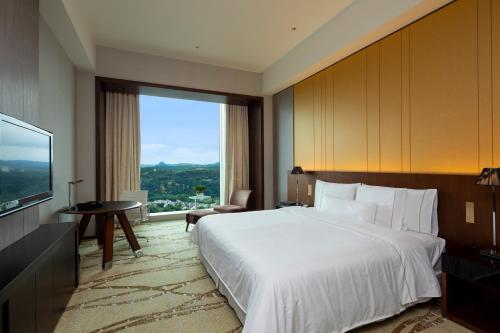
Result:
[71,34]
[359,25]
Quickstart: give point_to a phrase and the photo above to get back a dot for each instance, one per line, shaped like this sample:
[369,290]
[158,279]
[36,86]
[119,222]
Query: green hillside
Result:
[171,185]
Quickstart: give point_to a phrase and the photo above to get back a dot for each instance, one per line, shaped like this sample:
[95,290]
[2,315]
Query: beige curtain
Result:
[122,149]
[235,159]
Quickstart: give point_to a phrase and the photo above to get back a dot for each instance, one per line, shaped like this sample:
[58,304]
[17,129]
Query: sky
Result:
[178,131]
[22,144]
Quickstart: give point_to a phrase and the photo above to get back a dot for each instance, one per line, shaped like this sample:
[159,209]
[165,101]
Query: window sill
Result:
[174,215]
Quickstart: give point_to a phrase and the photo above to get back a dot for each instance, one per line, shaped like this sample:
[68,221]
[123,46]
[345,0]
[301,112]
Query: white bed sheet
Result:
[296,270]
[433,245]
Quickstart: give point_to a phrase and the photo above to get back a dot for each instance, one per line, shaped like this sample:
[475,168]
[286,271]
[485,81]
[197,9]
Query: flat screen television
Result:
[25,165]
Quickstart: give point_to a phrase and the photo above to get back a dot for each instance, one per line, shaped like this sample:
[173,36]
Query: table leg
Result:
[129,233]
[100,226]
[107,254]
[84,223]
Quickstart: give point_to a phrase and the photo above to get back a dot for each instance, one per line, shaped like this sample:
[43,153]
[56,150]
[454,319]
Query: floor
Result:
[168,290]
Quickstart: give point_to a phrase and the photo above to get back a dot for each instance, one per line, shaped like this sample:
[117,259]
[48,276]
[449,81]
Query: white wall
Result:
[57,114]
[85,139]
[155,69]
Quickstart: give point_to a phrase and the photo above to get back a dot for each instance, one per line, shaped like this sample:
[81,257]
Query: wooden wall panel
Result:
[318,121]
[373,106]
[19,89]
[328,129]
[484,83]
[430,94]
[350,129]
[391,103]
[495,27]
[443,83]
[405,100]
[453,192]
[303,124]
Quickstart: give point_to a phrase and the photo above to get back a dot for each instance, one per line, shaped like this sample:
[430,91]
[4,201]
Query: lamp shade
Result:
[489,177]
[297,170]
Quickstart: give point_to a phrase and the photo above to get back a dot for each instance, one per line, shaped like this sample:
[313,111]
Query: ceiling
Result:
[243,34]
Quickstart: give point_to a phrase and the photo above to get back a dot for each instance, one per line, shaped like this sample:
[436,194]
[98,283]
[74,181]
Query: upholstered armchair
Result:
[237,203]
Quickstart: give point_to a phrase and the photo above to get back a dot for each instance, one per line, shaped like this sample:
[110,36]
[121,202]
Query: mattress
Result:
[297,270]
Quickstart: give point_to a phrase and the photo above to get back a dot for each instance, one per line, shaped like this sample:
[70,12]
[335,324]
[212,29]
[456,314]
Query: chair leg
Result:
[187,226]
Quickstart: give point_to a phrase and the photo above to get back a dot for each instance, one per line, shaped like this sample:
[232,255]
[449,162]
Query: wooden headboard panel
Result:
[453,192]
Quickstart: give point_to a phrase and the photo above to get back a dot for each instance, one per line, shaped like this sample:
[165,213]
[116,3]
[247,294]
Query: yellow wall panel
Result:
[350,140]
[495,5]
[373,106]
[318,121]
[484,84]
[391,103]
[405,101]
[303,124]
[328,129]
[443,90]
[425,99]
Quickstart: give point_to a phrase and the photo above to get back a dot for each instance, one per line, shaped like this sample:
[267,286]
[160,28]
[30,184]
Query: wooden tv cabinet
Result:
[38,274]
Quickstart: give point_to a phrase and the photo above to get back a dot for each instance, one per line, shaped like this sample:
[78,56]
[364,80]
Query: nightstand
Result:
[471,290]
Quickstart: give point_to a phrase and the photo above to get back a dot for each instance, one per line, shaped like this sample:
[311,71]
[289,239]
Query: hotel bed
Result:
[309,270]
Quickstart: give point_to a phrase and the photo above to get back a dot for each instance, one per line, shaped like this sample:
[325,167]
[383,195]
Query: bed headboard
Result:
[453,192]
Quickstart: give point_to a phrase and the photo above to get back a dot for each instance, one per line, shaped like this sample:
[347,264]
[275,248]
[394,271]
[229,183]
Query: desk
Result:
[108,212]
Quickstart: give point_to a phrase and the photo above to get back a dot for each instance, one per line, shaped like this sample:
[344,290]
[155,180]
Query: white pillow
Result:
[348,210]
[384,197]
[337,190]
[421,211]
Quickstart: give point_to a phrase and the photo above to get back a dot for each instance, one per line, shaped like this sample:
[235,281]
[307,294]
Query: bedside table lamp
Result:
[491,177]
[297,171]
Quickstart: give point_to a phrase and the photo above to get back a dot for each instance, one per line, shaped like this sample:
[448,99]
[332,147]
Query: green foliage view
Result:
[171,185]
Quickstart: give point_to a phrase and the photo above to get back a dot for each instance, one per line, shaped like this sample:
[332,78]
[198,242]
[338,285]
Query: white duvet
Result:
[296,270]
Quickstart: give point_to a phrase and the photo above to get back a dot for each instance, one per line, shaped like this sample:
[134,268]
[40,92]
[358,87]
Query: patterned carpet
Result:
[168,290]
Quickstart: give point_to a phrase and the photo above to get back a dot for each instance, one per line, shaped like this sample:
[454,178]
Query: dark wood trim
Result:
[256,154]
[112,84]
[39,274]
[453,192]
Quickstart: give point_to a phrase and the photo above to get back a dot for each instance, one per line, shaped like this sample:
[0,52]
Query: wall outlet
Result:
[469,212]
[309,190]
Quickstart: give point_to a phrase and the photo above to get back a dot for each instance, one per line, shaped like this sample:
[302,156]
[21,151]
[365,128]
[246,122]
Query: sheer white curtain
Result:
[123,144]
[234,149]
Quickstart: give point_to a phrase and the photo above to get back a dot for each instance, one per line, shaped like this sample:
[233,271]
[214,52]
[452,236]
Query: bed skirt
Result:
[223,289]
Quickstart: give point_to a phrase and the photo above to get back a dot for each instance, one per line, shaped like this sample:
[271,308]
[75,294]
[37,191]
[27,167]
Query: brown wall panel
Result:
[19,89]
[350,128]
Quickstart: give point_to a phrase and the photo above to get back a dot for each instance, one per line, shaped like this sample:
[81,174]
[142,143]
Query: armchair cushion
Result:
[229,209]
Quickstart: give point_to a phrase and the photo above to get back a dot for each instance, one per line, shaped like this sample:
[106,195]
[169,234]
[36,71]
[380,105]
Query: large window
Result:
[180,160]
